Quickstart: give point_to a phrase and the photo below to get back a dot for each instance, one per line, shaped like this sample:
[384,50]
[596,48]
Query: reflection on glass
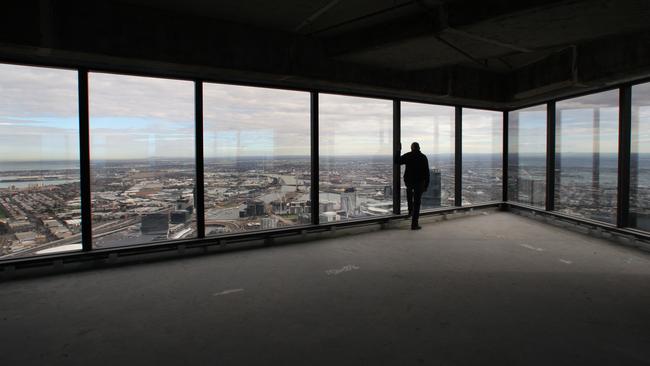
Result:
[527,156]
[39,161]
[433,127]
[142,159]
[355,157]
[640,159]
[482,156]
[586,156]
[257,158]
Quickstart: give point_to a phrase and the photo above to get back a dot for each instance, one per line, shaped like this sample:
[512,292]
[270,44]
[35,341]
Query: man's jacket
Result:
[417,168]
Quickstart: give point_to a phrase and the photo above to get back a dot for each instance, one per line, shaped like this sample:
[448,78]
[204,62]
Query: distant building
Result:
[329,216]
[326,206]
[279,207]
[73,224]
[349,202]
[253,209]
[155,223]
[269,223]
[299,207]
[531,191]
[432,196]
[184,204]
[179,216]
[51,223]
[20,226]
[27,237]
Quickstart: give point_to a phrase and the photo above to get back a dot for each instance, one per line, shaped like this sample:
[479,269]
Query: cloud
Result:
[245,121]
[355,126]
[482,131]
[134,116]
[432,126]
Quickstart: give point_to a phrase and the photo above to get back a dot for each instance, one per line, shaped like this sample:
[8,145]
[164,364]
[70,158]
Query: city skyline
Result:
[249,157]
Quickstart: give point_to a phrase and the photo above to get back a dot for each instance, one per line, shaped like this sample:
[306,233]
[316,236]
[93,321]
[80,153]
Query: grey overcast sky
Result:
[138,117]
[432,126]
[527,130]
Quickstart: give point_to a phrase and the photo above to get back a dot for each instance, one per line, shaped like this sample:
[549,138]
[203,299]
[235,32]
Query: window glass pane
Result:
[142,159]
[356,163]
[39,161]
[482,151]
[640,159]
[587,156]
[432,127]
[257,158]
[527,156]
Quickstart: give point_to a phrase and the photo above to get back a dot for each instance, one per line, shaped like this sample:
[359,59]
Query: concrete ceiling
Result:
[492,53]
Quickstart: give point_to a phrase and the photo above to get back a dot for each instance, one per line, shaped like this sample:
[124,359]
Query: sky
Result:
[250,121]
[641,118]
[432,126]
[527,133]
[355,125]
[38,113]
[482,131]
[138,117]
[575,119]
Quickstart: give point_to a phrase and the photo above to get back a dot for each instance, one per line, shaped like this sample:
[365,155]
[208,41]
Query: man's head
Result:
[415,146]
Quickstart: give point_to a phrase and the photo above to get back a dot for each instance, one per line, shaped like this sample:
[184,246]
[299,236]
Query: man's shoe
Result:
[416,227]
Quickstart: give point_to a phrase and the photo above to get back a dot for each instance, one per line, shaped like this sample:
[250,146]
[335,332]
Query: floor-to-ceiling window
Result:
[356,166]
[640,159]
[257,158]
[39,161]
[142,159]
[482,156]
[432,126]
[587,156]
[527,156]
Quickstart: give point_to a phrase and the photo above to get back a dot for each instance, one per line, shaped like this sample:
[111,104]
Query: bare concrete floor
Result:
[494,289]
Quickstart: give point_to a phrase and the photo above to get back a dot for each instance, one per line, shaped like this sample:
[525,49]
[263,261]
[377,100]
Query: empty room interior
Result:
[231,182]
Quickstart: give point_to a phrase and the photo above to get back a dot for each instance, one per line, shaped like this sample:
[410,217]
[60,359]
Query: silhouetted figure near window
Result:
[416,177]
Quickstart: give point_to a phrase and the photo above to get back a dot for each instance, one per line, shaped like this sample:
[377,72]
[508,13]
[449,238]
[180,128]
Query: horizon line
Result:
[290,156]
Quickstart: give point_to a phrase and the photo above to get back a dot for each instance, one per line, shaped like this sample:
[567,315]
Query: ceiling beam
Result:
[590,65]
[113,36]
[433,20]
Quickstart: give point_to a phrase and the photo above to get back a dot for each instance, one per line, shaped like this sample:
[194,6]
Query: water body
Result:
[37,169]
[40,182]
[21,166]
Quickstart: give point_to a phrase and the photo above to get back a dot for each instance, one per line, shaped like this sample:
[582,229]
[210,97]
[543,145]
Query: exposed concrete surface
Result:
[491,289]
[483,54]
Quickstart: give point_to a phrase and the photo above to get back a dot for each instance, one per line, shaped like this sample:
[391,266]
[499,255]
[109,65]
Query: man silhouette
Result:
[416,178]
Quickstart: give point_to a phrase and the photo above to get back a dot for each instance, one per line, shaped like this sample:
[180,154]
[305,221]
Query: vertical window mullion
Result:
[624,152]
[397,115]
[84,161]
[199,188]
[458,156]
[550,156]
[315,172]
[504,171]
